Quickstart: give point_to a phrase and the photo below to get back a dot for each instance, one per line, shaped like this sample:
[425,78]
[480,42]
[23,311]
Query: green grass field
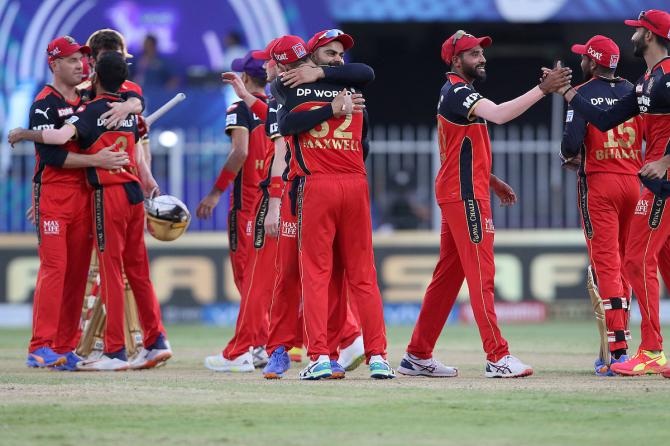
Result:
[183,403]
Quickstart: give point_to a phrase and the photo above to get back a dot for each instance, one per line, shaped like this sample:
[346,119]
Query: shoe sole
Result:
[325,374]
[523,374]
[355,363]
[638,373]
[382,376]
[122,369]
[410,372]
[158,361]
[336,375]
[40,364]
[272,375]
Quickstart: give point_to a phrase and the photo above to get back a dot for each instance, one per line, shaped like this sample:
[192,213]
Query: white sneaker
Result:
[507,367]
[260,356]
[413,366]
[242,364]
[103,364]
[149,359]
[353,356]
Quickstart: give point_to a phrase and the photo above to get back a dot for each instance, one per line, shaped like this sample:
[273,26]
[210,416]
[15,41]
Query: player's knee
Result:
[633,265]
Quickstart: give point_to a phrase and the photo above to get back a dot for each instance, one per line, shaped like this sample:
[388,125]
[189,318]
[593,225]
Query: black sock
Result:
[618,353]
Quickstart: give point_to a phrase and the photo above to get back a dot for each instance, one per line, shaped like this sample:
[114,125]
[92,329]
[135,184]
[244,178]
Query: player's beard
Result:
[473,73]
[639,46]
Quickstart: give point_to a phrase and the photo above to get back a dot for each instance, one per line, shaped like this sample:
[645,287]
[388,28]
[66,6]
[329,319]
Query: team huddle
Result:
[299,222]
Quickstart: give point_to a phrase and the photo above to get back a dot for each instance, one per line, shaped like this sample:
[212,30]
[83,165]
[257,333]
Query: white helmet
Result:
[167,217]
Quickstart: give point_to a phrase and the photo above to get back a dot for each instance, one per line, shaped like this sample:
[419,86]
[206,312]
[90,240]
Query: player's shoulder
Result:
[664,66]
[131,86]
[237,108]
[455,84]
[48,95]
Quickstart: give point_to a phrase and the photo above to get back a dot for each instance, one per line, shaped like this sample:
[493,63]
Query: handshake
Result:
[555,80]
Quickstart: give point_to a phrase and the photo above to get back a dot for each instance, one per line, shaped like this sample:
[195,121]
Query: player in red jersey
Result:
[462,189]
[119,215]
[649,232]
[608,188]
[61,210]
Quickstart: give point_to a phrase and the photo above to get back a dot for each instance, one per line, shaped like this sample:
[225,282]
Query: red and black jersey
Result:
[128,89]
[92,136]
[245,190]
[319,142]
[618,150]
[50,110]
[465,145]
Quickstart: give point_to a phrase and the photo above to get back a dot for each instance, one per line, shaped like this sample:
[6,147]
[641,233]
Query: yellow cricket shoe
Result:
[295,354]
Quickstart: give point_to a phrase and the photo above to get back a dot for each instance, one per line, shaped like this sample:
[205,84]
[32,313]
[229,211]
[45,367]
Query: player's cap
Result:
[601,49]
[462,41]
[329,35]
[265,54]
[247,64]
[658,22]
[65,46]
[289,49]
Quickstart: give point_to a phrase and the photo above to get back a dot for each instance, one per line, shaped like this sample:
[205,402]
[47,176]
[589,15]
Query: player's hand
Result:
[571,163]
[30,215]
[304,74]
[342,104]
[207,205]
[109,159]
[272,218]
[556,79]
[232,79]
[655,169]
[358,102]
[118,111]
[503,191]
[15,135]
[150,186]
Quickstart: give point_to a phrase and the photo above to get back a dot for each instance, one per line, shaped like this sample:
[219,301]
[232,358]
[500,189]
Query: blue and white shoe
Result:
[337,369]
[44,357]
[278,364]
[318,369]
[380,368]
[70,364]
[603,370]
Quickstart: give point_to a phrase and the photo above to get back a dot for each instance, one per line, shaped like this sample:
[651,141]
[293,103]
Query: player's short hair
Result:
[664,43]
[258,81]
[112,71]
[105,40]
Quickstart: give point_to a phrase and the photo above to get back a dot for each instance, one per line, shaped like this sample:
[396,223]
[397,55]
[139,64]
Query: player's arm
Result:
[502,190]
[352,74]
[624,109]
[659,168]
[573,135]
[276,187]
[106,158]
[296,122]
[257,106]
[234,162]
[149,184]
[56,137]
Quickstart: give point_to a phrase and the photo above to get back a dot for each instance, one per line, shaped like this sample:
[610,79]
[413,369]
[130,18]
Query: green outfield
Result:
[183,403]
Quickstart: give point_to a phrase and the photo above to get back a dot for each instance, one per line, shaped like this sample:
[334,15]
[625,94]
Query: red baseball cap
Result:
[658,22]
[288,49]
[265,54]
[65,46]
[462,41]
[329,35]
[601,49]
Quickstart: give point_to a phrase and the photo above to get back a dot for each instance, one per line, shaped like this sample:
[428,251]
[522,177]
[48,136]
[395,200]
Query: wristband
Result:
[566,91]
[276,187]
[260,109]
[225,178]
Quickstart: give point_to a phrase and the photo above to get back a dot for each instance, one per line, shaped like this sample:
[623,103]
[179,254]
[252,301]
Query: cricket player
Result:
[649,231]
[118,216]
[332,208]
[61,207]
[608,189]
[462,188]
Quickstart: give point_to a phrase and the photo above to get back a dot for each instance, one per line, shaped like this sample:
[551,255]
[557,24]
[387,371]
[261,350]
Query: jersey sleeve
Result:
[44,116]
[603,119]
[573,134]
[352,74]
[132,94]
[294,123]
[461,99]
[271,124]
[84,123]
[237,117]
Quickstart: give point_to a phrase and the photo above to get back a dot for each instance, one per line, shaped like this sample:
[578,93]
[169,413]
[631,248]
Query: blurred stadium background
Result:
[541,258]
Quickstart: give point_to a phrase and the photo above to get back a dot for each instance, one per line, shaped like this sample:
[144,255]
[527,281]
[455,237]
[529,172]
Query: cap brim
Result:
[346,40]
[261,55]
[635,23]
[484,41]
[579,49]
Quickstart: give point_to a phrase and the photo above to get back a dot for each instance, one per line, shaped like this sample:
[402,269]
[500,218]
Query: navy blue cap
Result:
[659,187]
[247,64]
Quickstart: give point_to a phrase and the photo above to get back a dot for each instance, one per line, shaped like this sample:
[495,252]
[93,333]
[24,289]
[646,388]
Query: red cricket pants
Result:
[649,233]
[251,329]
[343,324]
[239,240]
[120,245]
[466,252]
[334,211]
[607,202]
[64,247]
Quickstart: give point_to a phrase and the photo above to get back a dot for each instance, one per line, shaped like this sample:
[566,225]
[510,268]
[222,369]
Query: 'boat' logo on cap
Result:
[595,54]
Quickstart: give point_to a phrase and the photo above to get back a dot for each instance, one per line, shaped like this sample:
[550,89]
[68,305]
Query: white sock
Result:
[376,358]
[323,358]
